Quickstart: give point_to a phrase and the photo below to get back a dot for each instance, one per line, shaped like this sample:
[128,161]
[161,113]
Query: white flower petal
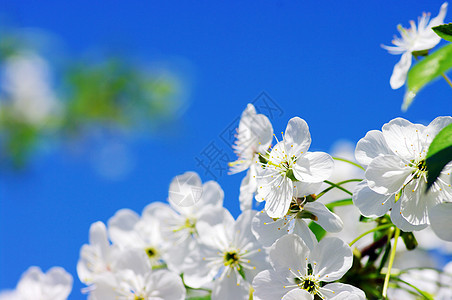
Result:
[167,285]
[325,218]
[212,194]
[269,285]
[370,203]
[402,137]
[386,174]
[279,198]
[231,287]
[306,188]
[313,167]
[429,38]
[215,227]
[400,71]
[121,227]
[242,228]
[434,128]
[10,295]
[331,259]
[302,230]
[254,135]
[98,237]
[248,187]
[197,271]
[340,291]
[371,146]
[441,220]
[297,294]
[263,130]
[399,221]
[297,137]
[414,203]
[289,252]
[135,260]
[55,284]
[266,230]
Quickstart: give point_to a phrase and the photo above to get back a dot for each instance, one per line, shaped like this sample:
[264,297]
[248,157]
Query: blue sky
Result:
[318,60]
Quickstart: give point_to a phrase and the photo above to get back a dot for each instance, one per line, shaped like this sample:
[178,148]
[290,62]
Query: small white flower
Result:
[230,254]
[254,136]
[299,272]
[289,162]
[56,284]
[395,160]
[416,38]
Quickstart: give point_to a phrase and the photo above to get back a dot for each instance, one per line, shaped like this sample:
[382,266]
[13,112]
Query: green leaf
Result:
[428,69]
[439,154]
[444,31]
[318,231]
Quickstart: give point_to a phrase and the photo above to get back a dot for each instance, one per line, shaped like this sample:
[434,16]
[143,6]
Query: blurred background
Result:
[103,103]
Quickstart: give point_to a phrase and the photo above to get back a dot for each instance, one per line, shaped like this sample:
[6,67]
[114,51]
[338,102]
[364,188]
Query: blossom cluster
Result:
[192,246]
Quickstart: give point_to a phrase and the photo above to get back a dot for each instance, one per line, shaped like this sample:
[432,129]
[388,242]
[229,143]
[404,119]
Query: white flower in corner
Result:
[395,160]
[289,162]
[56,284]
[230,256]
[300,273]
[134,279]
[254,136]
[414,39]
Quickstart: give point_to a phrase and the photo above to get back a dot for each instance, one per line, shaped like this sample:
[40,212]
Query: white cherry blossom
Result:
[395,160]
[298,271]
[414,39]
[289,162]
[56,284]
[230,254]
[254,136]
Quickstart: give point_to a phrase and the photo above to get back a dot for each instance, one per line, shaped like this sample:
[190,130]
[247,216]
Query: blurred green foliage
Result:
[111,93]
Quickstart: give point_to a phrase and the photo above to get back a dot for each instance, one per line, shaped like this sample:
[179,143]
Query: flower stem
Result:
[422,293]
[337,185]
[370,231]
[350,162]
[334,185]
[447,79]
[391,261]
[337,203]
